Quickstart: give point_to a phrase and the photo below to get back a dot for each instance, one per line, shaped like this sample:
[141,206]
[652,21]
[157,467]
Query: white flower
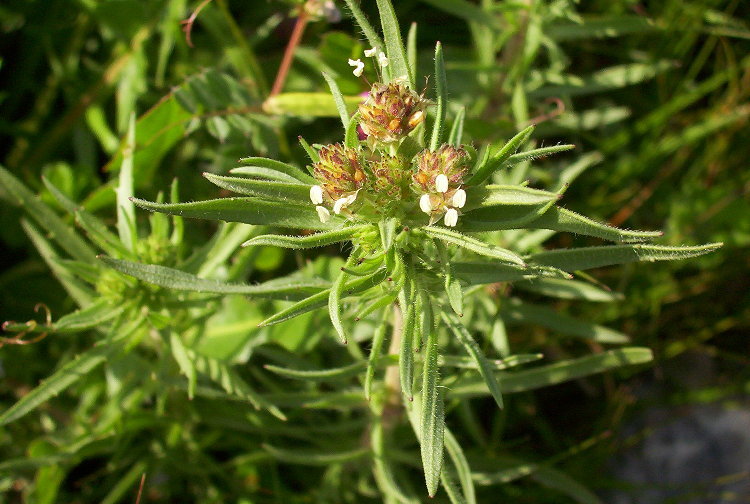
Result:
[451,217]
[441,183]
[316,194]
[360,67]
[459,198]
[382,60]
[323,213]
[425,204]
[332,14]
[371,52]
[344,202]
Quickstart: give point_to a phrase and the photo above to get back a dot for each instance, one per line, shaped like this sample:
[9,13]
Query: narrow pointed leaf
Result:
[320,299]
[477,273]
[335,295]
[411,50]
[596,257]
[319,375]
[172,278]
[315,457]
[370,32]
[569,289]
[272,190]
[96,314]
[552,374]
[399,68]
[309,241]
[516,311]
[351,135]
[484,366]
[406,355]
[59,231]
[185,363]
[311,153]
[494,195]
[463,471]
[473,245]
[60,380]
[441,91]
[486,169]
[537,153]
[376,350]
[457,130]
[247,210]
[125,209]
[338,99]
[277,166]
[432,417]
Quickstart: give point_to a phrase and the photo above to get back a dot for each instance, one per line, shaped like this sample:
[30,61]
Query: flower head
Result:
[441,169]
[339,172]
[391,111]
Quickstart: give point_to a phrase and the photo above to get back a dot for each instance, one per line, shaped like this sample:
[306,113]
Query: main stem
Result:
[392,403]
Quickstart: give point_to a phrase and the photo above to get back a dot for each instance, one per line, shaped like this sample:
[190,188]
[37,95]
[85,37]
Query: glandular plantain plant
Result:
[423,225]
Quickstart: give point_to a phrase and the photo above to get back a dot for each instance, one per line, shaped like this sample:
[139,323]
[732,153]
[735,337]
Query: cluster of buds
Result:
[439,176]
[341,176]
[391,112]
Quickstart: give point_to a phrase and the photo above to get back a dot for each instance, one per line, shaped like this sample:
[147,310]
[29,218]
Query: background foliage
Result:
[655,96]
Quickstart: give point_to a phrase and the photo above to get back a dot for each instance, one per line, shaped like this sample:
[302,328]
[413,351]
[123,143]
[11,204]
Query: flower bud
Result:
[434,168]
[339,171]
[391,111]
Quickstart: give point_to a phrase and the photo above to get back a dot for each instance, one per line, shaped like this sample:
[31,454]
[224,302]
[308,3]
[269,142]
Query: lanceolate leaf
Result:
[335,295]
[406,355]
[457,130]
[568,289]
[60,380]
[537,153]
[473,245]
[394,46]
[375,351]
[441,90]
[494,195]
[340,373]
[456,454]
[484,366]
[309,241]
[247,210]
[45,217]
[176,279]
[321,299]
[432,422]
[553,374]
[315,457]
[126,226]
[278,166]
[476,273]
[486,169]
[272,190]
[595,257]
[338,99]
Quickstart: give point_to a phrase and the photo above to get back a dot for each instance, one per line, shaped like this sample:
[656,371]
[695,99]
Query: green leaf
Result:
[477,273]
[555,219]
[336,293]
[351,135]
[277,166]
[247,210]
[487,168]
[511,195]
[319,375]
[432,417]
[473,245]
[57,382]
[320,299]
[496,364]
[441,92]
[20,195]
[597,28]
[184,361]
[568,289]
[311,153]
[96,314]
[537,153]
[338,99]
[484,366]
[171,278]
[376,350]
[559,372]
[596,257]
[277,191]
[94,228]
[406,353]
[411,50]
[397,63]
[456,454]
[457,130]
[315,457]
[125,210]
[514,310]
[309,241]
[372,35]
[308,104]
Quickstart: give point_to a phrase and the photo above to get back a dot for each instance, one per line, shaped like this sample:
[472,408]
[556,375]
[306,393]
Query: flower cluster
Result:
[377,178]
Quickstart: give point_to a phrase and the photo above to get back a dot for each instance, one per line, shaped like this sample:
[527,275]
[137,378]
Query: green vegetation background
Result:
[657,90]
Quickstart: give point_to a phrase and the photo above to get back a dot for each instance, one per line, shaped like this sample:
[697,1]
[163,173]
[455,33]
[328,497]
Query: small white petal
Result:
[451,217]
[459,198]
[425,204]
[359,67]
[441,183]
[339,205]
[382,60]
[316,194]
[323,213]
[371,52]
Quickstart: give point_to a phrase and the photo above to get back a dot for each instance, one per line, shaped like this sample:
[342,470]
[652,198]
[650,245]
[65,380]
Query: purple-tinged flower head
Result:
[434,168]
[391,176]
[391,112]
[339,171]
